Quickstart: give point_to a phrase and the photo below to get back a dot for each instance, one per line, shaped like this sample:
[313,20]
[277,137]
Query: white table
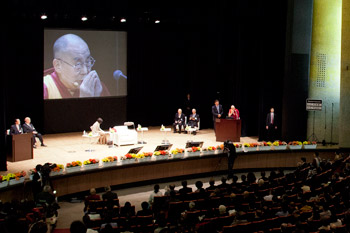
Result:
[143,129]
[165,130]
[90,140]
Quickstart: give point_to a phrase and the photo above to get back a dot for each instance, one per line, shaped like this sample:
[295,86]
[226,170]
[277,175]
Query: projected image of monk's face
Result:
[73,62]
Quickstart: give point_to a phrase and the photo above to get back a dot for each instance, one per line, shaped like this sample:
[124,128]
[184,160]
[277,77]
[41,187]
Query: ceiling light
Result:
[43,16]
[157,21]
[123,20]
[84,18]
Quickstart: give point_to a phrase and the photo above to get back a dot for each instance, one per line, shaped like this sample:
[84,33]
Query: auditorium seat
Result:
[124,136]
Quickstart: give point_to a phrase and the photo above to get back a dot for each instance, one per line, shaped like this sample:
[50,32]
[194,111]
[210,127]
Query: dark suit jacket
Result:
[268,119]
[195,116]
[28,129]
[215,111]
[179,118]
[14,130]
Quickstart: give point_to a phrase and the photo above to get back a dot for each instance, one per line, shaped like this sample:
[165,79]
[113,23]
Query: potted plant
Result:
[295,145]
[57,169]
[194,150]
[16,178]
[162,154]
[279,145]
[3,181]
[250,147]
[309,145]
[263,146]
[177,152]
[74,166]
[110,161]
[91,164]
[238,147]
[128,158]
[209,150]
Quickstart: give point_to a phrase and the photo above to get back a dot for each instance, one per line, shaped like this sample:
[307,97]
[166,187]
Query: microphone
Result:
[118,74]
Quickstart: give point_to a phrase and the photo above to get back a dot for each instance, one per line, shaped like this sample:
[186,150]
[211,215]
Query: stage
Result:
[68,147]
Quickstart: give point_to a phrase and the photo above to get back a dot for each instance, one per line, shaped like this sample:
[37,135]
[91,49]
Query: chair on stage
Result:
[124,136]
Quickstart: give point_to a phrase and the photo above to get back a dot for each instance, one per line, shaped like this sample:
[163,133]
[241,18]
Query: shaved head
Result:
[66,42]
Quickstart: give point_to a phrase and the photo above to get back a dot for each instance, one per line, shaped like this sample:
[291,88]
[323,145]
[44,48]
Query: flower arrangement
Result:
[220,147]
[110,159]
[14,176]
[177,151]
[238,145]
[3,178]
[57,168]
[295,143]
[194,149]
[91,161]
[112,130]
[162,128]
[161,153]
[279,143]
[128,156]
[147,154]
[309,143]
[210,148]
[254,144]
[266,143]
[74,164]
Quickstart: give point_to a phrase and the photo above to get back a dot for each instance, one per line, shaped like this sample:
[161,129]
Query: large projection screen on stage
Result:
[81,63]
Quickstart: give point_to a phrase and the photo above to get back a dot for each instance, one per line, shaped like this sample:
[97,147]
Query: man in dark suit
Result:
[271,125]
[193,119]
[179,120]
[217,111]
[28,127]
[16,128]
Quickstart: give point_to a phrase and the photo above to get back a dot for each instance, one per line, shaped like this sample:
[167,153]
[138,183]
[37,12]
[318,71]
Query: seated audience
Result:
[212,185]
[127,210]
[109,196]
[171,188]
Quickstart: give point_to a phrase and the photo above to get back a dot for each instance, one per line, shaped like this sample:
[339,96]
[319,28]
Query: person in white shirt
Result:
[96,129]
[155,193]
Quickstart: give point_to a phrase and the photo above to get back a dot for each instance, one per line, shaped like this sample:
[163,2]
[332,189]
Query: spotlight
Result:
[157,21]
[84,18]
[123,20]
[43,16]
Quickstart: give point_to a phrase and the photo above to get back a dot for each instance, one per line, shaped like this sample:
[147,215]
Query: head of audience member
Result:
[47,189]
[108,189]
[263,174]
[172,187]
[72,60]
[222,209]
[261,182]
[234,179]
[216,102]
[184,183]
[303,159]
[144,205]
[211,182]
[78,227]
[223,180]
[188,96]
[156,188]
[243,178]
[272,110]
[17,121]
[38,227]
[99,120]
[27,120]
[127,205]
[251,177]
[92,191]
[38,167]
[191,205]
[179,111]
[194,111]
[199,184]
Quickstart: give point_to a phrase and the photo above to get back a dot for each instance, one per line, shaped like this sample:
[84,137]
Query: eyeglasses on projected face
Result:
[80,65]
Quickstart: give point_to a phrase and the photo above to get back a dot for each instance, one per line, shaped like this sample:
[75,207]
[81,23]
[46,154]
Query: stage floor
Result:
[68,147]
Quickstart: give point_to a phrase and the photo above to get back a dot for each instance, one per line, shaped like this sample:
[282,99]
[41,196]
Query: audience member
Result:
[145,210]
[184,189]
[155,192]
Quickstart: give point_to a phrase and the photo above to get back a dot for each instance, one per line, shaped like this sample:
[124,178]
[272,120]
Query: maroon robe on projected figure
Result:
[65,93]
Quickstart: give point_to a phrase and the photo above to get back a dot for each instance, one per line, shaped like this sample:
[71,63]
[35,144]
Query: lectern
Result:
[227,129]
[20,147]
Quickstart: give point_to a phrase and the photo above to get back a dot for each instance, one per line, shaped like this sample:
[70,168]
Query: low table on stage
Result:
[90,137]
[227,129]
[20,147]
[143,129]
[165,131]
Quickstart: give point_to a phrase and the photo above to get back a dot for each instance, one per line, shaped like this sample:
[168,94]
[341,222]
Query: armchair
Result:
[124,136]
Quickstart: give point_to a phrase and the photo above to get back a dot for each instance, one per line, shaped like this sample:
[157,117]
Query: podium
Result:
[227,129]
[20,147]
